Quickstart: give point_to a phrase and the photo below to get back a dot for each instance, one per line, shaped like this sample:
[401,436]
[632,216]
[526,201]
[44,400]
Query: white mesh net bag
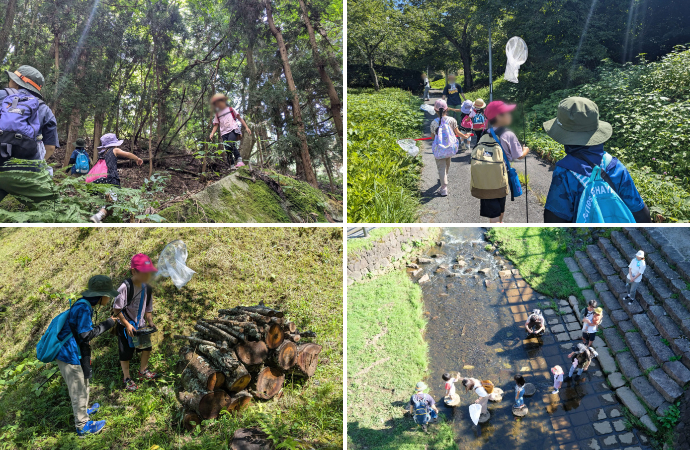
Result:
[410,146]
[173,263]
[428,109]
[516,54]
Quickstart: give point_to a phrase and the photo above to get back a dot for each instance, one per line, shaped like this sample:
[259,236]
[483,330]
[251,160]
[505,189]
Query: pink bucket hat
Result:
[142,263]
[497,107]
[440,104]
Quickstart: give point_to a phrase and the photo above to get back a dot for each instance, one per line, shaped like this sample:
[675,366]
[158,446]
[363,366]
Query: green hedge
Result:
[382,180]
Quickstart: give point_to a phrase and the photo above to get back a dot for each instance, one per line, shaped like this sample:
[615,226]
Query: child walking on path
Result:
[519,391]
[578,128]
[479,119]
[74,358]
[451,94]
[449,127]
[635,270]
[499,115]
[427,86]
[109,152]
[228,120]
[134,309]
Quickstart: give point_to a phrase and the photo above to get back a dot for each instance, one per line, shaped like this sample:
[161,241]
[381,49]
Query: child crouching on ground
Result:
[227,119]
[134,309]
[74,358]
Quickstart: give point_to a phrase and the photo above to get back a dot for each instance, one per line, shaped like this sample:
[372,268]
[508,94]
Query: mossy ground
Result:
[387,356]
[257,204]
[298,269]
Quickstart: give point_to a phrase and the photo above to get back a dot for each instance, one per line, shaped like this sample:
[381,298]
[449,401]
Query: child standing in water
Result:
[519,392]
[228,121]
[557,372]
[450,384]
[442,122]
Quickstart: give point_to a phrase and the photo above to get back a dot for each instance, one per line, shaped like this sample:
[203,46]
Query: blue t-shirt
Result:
[566,190]
[45,117]
[81,319]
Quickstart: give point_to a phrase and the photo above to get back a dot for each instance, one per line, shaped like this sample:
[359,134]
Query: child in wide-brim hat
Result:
[577,126]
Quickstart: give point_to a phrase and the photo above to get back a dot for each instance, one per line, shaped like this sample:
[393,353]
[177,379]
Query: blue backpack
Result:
[82,165]
[421,409]
[599,202]
[49,346]
[20,127]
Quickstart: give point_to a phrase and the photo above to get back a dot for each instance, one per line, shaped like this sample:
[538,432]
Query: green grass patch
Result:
[382,180]
[387,356]
[297,269]
[356,245]
[538,254]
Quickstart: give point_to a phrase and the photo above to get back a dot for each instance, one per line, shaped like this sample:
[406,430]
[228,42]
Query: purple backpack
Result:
[20,127]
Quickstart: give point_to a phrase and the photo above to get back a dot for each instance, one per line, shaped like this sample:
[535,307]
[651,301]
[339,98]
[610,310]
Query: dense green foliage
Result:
[382,180]
[146,69]
[299,270]
[387,356]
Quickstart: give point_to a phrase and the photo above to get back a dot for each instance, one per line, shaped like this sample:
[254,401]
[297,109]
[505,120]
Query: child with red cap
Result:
[133,308]
[499,115]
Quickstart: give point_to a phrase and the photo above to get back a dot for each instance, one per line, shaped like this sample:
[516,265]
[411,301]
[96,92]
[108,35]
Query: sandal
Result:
[130,385]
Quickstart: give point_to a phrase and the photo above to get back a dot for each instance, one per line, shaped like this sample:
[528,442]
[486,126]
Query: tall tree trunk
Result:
[7,27]
[72,132]
[97,132]
[336,106]
[464,46]
[309,174]
[56,45]
[372,73]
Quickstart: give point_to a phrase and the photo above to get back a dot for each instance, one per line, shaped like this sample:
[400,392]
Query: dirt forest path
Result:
[459,206]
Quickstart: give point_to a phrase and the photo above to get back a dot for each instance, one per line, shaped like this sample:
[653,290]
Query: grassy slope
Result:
[299,270]
[385,326]
[355,245]
[538,254]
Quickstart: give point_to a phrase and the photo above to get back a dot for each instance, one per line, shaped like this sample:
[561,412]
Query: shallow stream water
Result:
[475,330]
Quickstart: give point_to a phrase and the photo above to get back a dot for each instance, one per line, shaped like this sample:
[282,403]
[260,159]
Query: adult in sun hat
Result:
[74,358]
[577,126]
[133,308]
[110,152]
[632,280]
[30,183]
[422,406]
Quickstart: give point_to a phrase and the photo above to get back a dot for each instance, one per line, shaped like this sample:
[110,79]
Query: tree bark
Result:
[283,357]
[238,379]
[72,132]
[310,176]
[252,353]
[56,45]
[464,46]
[225,361]
[207,404]
[97,133]
[336,105]
[263,310]
[268,383]
[240,401]
[195,340]
[190,420]
[201,368]
[7,27]
[307,360]
[372,73]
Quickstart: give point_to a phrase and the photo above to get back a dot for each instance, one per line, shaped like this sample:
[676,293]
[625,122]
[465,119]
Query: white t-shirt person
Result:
[637,267]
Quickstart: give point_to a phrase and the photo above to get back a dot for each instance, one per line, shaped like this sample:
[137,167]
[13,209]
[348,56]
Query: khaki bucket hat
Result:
[577,123]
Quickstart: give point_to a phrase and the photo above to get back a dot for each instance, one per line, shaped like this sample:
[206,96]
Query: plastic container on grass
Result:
[142,337]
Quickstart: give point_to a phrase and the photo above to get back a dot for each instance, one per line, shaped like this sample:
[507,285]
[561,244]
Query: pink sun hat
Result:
[497,107]
[142,263]
[557,370]
[440,104]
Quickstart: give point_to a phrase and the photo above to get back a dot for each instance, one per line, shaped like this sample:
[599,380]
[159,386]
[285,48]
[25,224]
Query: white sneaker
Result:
[444,192]
[554,392]
[97,218]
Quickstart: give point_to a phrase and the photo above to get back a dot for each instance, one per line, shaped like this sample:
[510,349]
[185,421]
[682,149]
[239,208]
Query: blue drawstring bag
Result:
[599,203]
[513,179]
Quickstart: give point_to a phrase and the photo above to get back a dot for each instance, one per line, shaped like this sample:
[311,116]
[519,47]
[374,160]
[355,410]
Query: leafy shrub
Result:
[382,180]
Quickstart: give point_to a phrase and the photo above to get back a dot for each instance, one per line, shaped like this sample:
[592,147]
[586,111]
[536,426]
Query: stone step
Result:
[664,323]
[630,400]
[628,365]
[665,385]
[639,240]
[609,301]
[678,372]
[621,242]
[647,393]
[645,325]
[659,350]
[587,268]
[637,345]
[600,262]
[614,340]
[612,255]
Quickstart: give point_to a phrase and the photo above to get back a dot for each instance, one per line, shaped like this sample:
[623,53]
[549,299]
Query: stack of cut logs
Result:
[244,353]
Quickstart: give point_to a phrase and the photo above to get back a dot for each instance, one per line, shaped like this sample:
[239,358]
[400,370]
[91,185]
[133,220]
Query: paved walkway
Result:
[585,414]
[460,206]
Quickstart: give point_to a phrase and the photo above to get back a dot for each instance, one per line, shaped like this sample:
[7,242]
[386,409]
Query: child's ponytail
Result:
[441,113]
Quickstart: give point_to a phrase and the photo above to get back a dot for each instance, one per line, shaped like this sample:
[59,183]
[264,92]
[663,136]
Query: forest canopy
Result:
[145,70]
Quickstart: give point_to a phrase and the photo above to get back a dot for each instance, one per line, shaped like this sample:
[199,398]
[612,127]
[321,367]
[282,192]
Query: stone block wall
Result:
[389,252]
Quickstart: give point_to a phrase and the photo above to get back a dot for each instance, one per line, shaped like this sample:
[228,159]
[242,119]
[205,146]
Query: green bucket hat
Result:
[421,387]
[99,286]
[28,78]
[80,143]
[577,123]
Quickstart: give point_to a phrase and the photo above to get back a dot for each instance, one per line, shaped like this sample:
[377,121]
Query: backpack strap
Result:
[605,161]
[130,298]
[505,158]
[72,330]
